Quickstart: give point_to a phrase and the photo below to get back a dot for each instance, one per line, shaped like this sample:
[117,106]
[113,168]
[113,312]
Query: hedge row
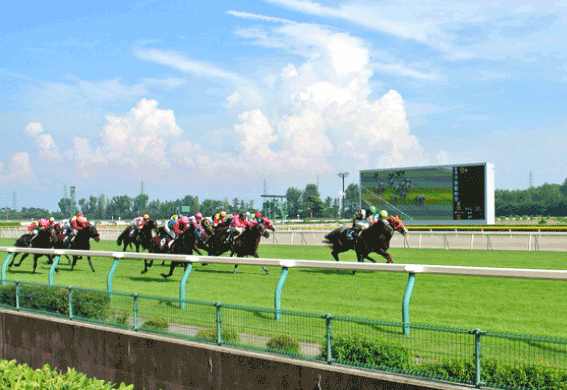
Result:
[86,304]
[14,376]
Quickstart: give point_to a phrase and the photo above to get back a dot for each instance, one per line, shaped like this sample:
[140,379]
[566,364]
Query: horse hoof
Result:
[267,272]
[144,271]
[165,276]
[234,272]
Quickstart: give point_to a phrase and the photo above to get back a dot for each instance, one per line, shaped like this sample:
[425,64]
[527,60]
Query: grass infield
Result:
[534,307]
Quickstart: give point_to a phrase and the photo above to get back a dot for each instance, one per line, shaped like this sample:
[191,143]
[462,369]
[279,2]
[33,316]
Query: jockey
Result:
[360,221]
[180,225]
[196,220]
[219,217]
[35,227]
[383,219]
[168,227]
[238,224]
[138,223]
[78,222]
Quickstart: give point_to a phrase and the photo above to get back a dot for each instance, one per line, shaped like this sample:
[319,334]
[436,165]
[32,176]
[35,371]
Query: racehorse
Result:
[44,240]
[247,243]
[185,243]
[376,238]
[140,238]
[82,241]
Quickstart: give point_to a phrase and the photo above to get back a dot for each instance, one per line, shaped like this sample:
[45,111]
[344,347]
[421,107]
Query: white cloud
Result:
[48,150]
[19,169]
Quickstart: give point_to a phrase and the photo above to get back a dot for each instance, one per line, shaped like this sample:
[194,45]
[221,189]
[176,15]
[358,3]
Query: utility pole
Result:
[342,175]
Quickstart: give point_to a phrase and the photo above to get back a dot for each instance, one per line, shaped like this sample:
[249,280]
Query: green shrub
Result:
[87,304]
[498,373]
[120,319]
[284,343]
[14,376]
[542,221]
[361,349]
[158,323]
[227,335]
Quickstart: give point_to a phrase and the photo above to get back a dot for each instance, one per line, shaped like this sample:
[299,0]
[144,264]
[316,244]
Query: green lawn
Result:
[509,305]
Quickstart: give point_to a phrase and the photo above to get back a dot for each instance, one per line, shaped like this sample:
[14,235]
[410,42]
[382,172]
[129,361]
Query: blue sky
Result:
[212,99]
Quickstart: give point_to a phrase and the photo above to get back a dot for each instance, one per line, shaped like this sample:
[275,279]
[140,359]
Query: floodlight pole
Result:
[342,175]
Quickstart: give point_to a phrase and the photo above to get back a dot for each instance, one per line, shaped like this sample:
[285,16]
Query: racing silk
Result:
[43,223]
[78,224]
[181,225]
[138,221]
[196,223]
[32,226]
[170,223]
[218,219]
[241,222]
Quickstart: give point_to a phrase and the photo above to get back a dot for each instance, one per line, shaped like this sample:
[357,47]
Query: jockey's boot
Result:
[169,244]
[350,234]
[228,239]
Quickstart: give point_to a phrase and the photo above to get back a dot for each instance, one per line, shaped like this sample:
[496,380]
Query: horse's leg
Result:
[235,267]
[13,258]
[147,264]
[171,268]
[22,259]
[90,263]
[335,254]
[74,262]
[386,255]
[35,257]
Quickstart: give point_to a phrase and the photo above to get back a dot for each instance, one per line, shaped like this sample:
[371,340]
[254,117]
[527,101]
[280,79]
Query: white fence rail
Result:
[519,241]
[285,264]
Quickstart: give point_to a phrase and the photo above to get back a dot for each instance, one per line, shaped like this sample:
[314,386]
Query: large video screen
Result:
[441,194]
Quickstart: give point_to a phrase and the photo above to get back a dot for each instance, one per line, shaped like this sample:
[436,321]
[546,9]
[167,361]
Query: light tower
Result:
[342,175]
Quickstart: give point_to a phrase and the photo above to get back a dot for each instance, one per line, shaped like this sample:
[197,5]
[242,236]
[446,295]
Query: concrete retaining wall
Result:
[156,362]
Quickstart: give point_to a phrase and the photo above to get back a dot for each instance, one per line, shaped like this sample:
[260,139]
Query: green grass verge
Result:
[509,305]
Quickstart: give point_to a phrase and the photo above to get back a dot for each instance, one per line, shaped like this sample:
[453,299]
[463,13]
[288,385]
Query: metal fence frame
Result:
[219,320]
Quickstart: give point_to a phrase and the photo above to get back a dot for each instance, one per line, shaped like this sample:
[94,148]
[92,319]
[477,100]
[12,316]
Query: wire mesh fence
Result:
[467,356]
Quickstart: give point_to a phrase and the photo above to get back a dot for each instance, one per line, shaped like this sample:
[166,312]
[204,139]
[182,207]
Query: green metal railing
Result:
[468,356]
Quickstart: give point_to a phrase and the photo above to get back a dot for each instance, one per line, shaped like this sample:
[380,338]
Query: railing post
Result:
[472,241]
[278,293]
[111,272]
[5,266]
[329,337]
[135,298]
[477,356]
[17,295]
[405,303]
[218,305]
[52,269]
[445,242]
[70,302]
[182,285]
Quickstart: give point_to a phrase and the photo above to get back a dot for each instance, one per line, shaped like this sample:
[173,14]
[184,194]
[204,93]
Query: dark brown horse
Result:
[376,238]
[184,244]
[43,240]
[248,242]
[140,238]
[82,241]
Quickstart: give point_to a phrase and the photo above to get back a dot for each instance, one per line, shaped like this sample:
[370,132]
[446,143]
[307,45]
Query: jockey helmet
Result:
[174,217]
[258,215]
[223,213]
[372,209]
[199,215]
[80,215]
[383,214]
[247,213]
[51,219]
[82,219]
[146,217]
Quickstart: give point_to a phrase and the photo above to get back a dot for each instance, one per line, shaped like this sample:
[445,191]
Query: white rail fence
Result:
[520,241]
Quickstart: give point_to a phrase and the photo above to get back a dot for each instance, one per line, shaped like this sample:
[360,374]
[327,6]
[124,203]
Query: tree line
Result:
[298,203]
[545,200]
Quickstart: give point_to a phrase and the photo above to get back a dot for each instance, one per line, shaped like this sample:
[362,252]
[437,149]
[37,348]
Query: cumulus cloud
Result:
[315,116]
[19,169]
[133,142]
[48,150]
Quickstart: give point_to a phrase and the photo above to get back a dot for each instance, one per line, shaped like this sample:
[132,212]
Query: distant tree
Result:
[312,203]
[563,188]
[66,206]
[293,199]
[352,199]
[140,204]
